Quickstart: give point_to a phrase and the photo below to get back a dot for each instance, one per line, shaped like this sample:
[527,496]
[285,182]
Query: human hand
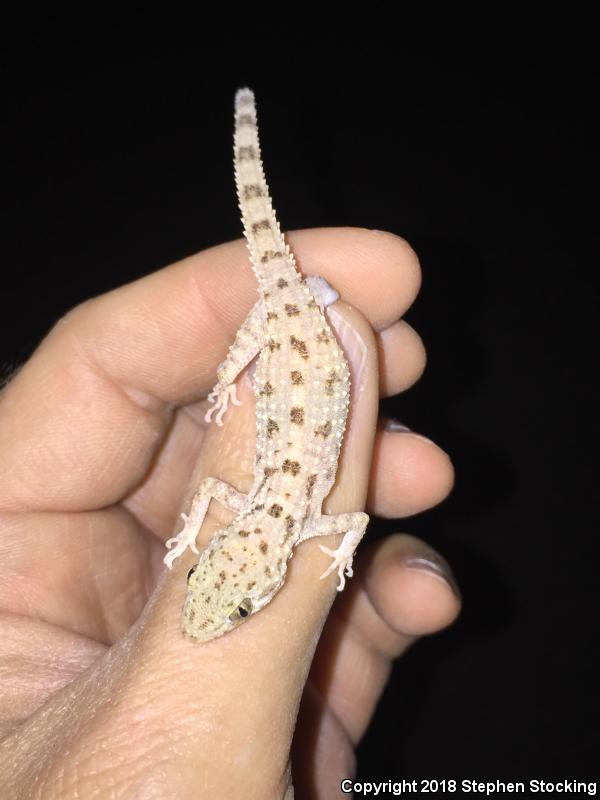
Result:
[100,433]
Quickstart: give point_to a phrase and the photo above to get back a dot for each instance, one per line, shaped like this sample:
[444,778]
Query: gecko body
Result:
[302,388]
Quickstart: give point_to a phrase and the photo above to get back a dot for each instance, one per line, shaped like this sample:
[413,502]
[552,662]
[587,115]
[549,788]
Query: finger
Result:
[410,473]
[36,660]
[402,358]
[85,416]
[156,501]
[404,590]
[367,254]
[92,574]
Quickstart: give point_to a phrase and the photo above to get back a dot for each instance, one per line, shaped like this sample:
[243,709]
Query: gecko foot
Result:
[184,539]
[220,398]
[342,561]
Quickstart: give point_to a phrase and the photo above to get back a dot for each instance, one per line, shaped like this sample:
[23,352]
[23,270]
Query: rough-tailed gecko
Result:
[302,388]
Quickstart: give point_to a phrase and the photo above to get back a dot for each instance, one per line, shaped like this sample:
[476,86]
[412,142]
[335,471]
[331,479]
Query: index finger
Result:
[83,419]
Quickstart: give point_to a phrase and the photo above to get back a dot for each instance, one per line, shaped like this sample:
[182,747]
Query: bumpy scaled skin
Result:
[302,386]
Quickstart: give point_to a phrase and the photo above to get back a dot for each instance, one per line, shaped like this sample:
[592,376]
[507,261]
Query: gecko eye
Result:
[191,572]
[242,611]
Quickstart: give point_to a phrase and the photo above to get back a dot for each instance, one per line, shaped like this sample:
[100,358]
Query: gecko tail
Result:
[269,252]
[243,97]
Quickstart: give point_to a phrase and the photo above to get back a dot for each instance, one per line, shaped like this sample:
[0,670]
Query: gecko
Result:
[302,388]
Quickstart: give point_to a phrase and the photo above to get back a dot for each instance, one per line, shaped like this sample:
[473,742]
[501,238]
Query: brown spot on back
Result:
[270,471]
[291,466]
[281,283]
[323,336]
[257,530]
[310,485]
[222,575]
[263,225]
[267,389]
[268,572]
[272,427]
[299,346]
[323,430]
[273,345]
[275,510]
[330,382]
[296,377]
[243,534]
[291,310]
[252,190]
[251,584]
[263,547]
[297,415]
[289,523]
[271,315]
[312,303]
[246,153]
[270,254]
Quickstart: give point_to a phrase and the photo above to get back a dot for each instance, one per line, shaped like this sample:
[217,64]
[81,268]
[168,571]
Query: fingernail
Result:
[436,566]
[395,426]
[389,234]
[392,425]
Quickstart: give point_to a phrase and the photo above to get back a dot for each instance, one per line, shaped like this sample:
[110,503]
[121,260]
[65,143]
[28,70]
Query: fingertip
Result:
[375,271]
[405,257]
[402,358]
[412,587]
[412,473]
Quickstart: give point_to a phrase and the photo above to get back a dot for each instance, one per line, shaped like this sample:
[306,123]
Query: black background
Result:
[476,140]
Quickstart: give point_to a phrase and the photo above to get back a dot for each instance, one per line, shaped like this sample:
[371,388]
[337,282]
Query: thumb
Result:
[224,711]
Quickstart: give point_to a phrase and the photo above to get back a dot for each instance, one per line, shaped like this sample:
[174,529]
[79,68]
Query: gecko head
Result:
[223,593]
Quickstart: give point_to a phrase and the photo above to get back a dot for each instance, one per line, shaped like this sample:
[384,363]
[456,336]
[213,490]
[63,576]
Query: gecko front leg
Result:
[248,343]
[210,488]
[353,526]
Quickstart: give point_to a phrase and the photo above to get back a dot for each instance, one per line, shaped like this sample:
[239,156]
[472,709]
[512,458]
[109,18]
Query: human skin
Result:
[102,441]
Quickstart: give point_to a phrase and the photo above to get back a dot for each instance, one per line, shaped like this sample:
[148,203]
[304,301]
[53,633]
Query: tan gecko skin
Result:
[302,387]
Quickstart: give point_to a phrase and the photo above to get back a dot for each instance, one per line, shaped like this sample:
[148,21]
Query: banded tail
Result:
[261,228]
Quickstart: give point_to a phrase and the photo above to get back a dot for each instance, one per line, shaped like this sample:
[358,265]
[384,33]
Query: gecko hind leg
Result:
[210,488]
[353,526]
[249,340]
